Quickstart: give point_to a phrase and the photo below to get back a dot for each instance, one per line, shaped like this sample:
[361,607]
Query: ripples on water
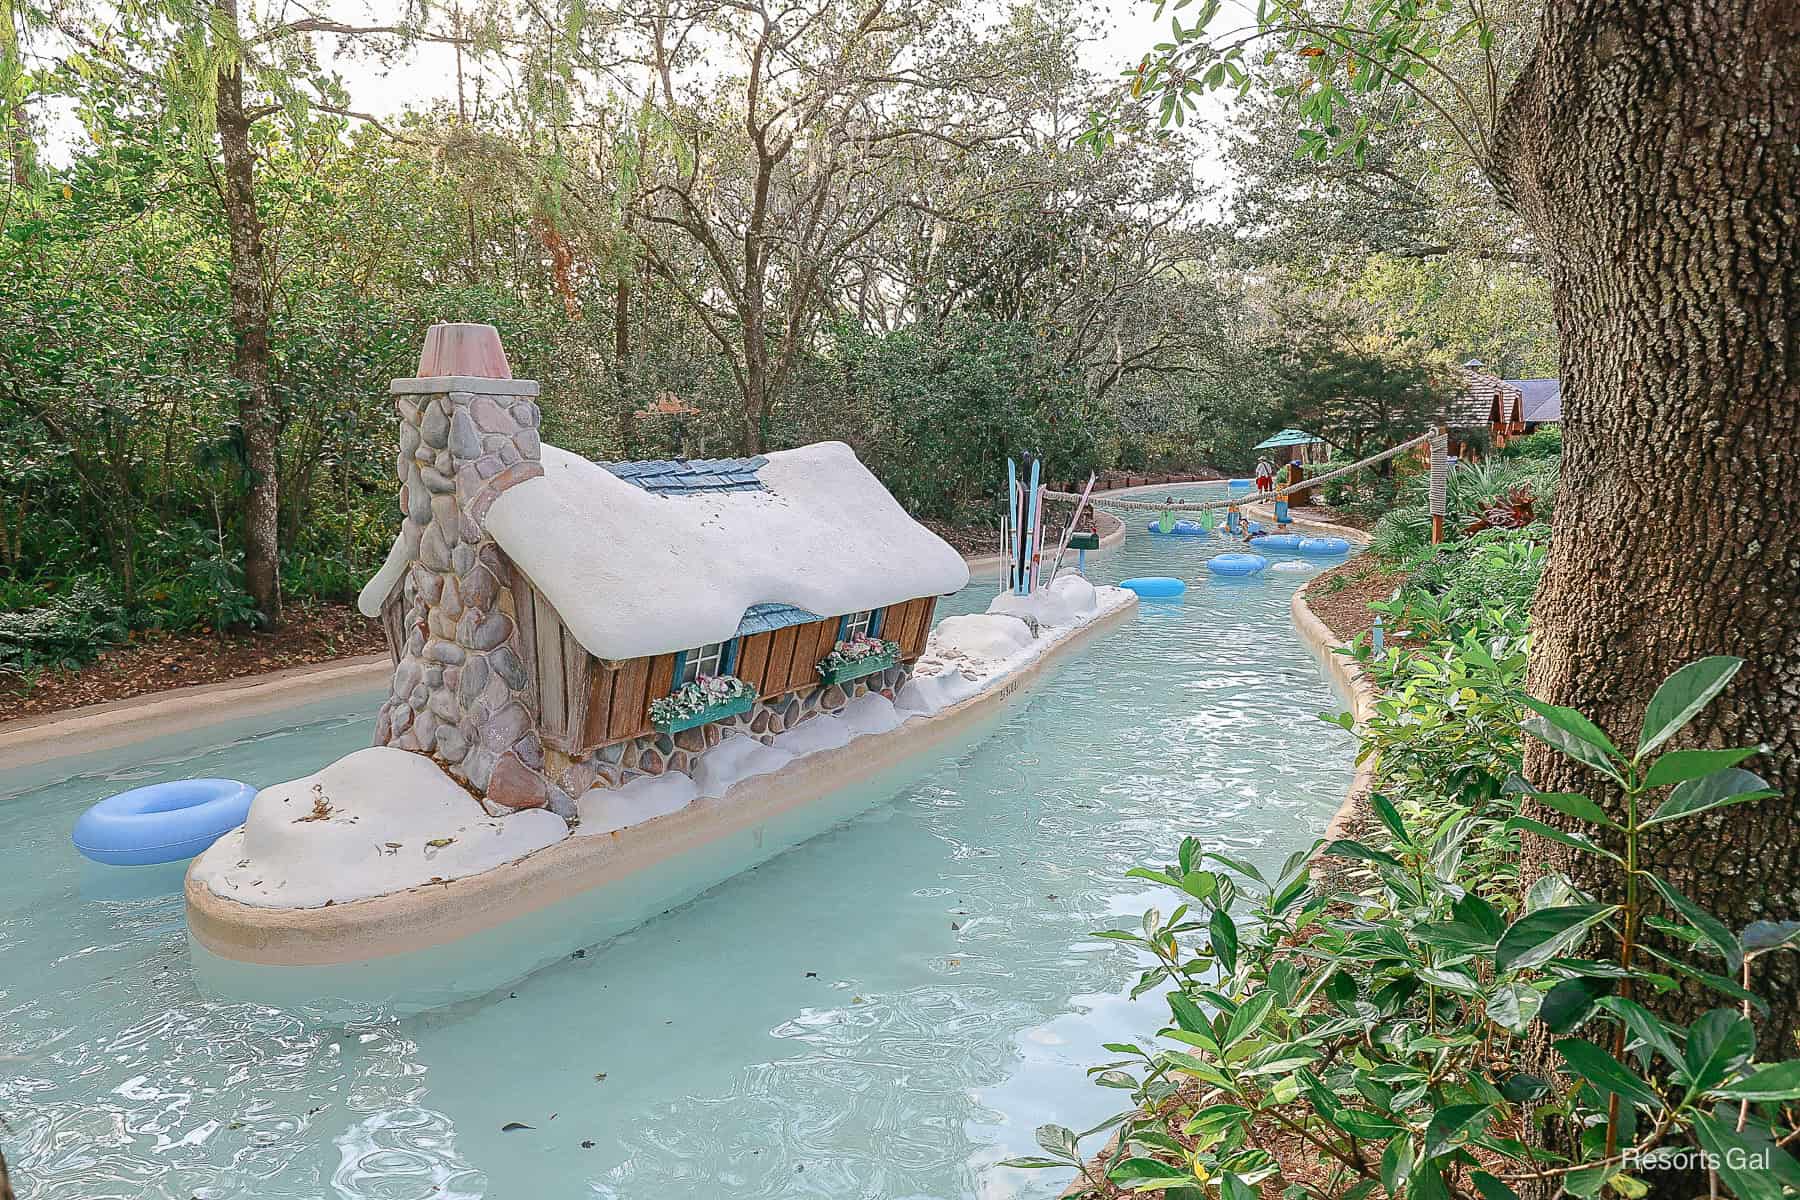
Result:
[884,1012]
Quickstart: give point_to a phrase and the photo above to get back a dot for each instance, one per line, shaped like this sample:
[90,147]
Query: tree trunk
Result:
[249,318]
[1652,147]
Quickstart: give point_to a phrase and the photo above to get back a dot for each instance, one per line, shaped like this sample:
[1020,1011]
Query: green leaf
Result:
[1778,1082]
[1248,1018]
[1522,1088]
[1679,766]
[1710,927]
[1682,695]
[1737,1161]
[1344,848]
[1570,1003]
[1580,841]
[1576,805]
[1224,936]
[1450,1125]
[1570,745]
[1189,1015]
[1762,936]
[1059,1139]
[1390,816]
[1132,1173]
[1606,1072]
[1719,1043]
[1575,725]
[1733,785]
[1648,1028]
[1546,933]
[1492,1188]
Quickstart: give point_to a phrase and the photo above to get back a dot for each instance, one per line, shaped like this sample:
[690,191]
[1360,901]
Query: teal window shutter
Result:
[875,622]
[680,662]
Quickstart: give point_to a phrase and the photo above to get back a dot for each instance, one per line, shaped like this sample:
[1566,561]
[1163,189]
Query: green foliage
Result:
[1387,1030]
[1544,445]
[66,628]
[1404,534]
[946,410]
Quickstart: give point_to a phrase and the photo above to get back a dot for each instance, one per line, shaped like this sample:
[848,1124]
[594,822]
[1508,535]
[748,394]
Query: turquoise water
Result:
[883,1011]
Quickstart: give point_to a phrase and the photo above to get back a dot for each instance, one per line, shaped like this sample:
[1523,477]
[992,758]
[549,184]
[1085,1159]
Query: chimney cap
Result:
[463,348]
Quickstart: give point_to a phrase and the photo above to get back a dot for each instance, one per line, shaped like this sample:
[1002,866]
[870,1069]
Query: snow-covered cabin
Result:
[538,606]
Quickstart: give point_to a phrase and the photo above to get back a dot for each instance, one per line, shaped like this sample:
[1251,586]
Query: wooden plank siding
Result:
[393,622]
[619,697]
[586,703]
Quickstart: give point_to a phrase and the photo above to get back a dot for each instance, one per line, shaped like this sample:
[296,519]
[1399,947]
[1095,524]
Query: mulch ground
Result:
[1345,608]
[154,662]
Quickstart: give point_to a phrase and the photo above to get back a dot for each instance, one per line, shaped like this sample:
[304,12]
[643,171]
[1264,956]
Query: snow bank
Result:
[633,573]
[870,712]
[604,809]
[816,733]
[969,654]
[377,821]
[736,758]
[1062,603]
[979,635]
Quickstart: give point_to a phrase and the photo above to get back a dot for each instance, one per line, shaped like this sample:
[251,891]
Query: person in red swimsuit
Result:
[1265,477]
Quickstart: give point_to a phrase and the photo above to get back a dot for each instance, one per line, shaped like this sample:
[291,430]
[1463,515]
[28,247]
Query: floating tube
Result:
[1155,586]
[1279,541]
[1323,546]
[1236,564]
[1241,485]
[162,823]
[1182,529]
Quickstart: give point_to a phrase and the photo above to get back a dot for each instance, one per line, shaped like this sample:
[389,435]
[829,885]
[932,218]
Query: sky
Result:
[428,73]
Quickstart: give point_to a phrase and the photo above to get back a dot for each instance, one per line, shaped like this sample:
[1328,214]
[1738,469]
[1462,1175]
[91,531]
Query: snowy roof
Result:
[1541,399]
[642,562]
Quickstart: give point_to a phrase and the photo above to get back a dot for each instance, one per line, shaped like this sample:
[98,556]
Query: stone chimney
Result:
[461,692]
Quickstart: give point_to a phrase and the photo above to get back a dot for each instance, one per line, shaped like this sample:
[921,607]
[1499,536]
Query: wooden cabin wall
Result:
[393,621]
[909,624]
[557,662]
[619,696]
[615,700]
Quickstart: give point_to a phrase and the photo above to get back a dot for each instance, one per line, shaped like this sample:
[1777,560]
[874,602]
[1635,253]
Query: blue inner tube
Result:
[1324,545]
[1236,564]
[1241,485]
[1182,529]
[1279,541]
[165,822]
[1155,585]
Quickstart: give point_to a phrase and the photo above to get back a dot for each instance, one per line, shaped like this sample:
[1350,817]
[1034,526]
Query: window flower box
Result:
[856,657]
[709,698]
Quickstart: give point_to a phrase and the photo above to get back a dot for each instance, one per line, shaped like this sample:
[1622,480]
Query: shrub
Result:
[1388,1034]
[65,629]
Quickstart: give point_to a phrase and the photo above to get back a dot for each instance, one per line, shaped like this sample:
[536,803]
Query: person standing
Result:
[1265,477]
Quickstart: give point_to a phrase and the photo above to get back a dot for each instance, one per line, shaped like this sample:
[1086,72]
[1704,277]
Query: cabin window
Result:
[714,658]
[866,622]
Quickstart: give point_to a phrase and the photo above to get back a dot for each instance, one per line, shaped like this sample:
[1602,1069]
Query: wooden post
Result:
[1440,483]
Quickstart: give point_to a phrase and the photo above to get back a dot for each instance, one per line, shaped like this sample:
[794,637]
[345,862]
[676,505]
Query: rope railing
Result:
[1227,502]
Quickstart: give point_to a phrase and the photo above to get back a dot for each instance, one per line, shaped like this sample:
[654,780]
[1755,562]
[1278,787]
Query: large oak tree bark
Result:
[249,319]
[1653,146]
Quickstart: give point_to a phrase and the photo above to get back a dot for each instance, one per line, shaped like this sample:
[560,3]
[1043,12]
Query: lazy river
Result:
[883,1011]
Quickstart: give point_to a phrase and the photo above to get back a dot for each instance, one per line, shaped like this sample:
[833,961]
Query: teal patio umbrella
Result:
[1287,437]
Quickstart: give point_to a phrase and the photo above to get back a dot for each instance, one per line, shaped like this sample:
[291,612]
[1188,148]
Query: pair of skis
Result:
[1023,535]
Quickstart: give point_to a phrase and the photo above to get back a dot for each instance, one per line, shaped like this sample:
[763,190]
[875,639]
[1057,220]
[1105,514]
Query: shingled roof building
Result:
[539,606]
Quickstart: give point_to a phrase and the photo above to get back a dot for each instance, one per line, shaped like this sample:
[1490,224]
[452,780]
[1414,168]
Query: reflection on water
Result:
[882,1011]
